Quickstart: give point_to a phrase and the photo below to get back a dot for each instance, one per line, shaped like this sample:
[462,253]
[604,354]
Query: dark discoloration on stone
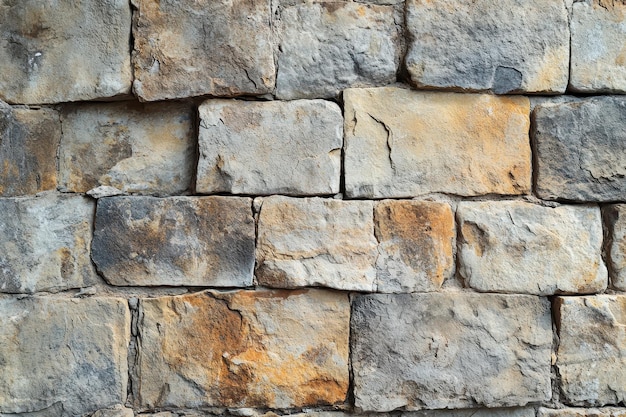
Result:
[614,217]
[506,80]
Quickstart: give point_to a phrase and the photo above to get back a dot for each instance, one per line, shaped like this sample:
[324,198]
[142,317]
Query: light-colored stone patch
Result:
[117,411]
[582,412]
[475,412]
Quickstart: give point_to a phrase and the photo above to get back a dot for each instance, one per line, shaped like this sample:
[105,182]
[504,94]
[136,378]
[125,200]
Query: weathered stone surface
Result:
[316,242]
[270,147]
[53,52]
[506,46]
[591,357]
[328,46]
[598,48]
[582,412]
[426,351]
[518,247]
[581,150]
[136,148]
[189,48]
[275,349]
[44,243]
[29,140]
[416,241]
[615,221]
[65,357]
[117,411]
[402,143]
[475,412]
[206,241]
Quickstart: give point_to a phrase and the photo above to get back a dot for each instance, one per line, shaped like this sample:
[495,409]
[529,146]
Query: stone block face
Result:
[598,52]
[416,245]
[29,140]
[44,243]
[271,349]
[316,242]
[615,223]
[193,48]
[474,412]
[136,148]
[63,357]
[582,412]
[403,143]
[326,47]
[270,147]
[580,150]
[518,247]
[52,52]
[447,350]
[506,47]
[205,241]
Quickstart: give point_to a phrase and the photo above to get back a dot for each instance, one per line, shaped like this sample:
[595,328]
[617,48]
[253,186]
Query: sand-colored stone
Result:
[474,412]
[403,143]
[582,412]
[615,241]
[268,349]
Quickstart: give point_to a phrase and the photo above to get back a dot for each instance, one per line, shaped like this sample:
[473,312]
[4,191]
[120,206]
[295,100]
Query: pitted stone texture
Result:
[598,48]
[582,412]
[187,48]
[581,150]
[63,357]
[52,52]
[475,412]
[44,243]
[591,357]
[270,147]
[518,247]
[403,143]
[416,245]
[117,411]
[506,46]
[316,242]
[136,148]
[29,140]
[326,47]
[205,241]
[615,220]
[270,349]
[429,351]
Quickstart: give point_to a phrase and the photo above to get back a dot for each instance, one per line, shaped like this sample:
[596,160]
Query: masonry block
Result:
[582,412]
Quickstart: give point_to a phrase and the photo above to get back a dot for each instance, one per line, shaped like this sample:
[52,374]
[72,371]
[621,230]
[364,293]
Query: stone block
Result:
[615,241]
[582,412]
[474,412]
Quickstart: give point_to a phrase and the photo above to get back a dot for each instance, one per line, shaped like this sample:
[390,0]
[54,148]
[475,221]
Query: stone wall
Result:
[381,208]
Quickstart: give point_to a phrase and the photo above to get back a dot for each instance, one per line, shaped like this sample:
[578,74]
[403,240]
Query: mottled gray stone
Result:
[475,412]
[506,46]
[270,147]
[580,150]
[206,241]
[582,412]
[445,350]
[615,241]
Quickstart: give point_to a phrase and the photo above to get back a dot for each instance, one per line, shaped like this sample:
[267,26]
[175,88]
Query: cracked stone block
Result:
[476,45]
[59,51]
[134,148]
[266,349]
[519,247]
[200,241]
[580,150]
[591,357]
[402,143]
[582,412]
[29,140]
[44,243]
[615,241]
[450,350]
[326,47]
[316,242]
[187,48]
[260,148]
[62,357]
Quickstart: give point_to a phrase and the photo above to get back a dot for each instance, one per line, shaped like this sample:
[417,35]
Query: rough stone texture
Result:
[29,140]
[416,241]
[144,149]
[71,50]
[475,412]
[582,412]
[518,247]
[316,242]
[189,48]
[402,143]
[206,241]
[581,150]
[274,349]
[426,351]
[44,243]
[591,357]
[615,241]
[328,46]
[270,147]
[65,357]
[118,411]
[598,48]
[506,46]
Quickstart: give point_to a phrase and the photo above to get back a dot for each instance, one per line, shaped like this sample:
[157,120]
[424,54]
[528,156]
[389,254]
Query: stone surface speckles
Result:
[615,222]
